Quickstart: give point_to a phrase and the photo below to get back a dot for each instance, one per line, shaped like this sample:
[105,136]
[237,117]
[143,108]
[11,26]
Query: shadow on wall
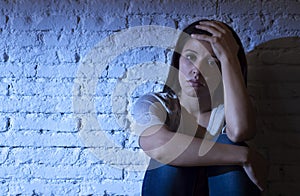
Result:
[274,83]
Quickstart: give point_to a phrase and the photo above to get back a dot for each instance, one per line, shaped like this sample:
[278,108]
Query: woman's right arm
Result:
[178,149]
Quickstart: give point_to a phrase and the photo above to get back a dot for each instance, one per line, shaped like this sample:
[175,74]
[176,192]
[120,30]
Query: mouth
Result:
[196,83]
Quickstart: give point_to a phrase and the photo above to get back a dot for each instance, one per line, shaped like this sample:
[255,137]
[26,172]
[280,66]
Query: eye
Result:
[212,61]
[190,57]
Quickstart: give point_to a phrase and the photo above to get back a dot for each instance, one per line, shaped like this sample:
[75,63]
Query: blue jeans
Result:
[230,180]
[167,180]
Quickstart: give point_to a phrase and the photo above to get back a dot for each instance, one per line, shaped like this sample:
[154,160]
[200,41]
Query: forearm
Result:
[239,112]
[183,150]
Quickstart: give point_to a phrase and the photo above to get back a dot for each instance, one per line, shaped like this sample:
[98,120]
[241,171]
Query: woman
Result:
[181,124]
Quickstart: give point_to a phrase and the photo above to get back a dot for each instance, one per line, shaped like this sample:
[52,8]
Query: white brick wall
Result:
[42,45]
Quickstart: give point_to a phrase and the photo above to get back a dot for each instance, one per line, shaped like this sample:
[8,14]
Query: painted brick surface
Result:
[43,44]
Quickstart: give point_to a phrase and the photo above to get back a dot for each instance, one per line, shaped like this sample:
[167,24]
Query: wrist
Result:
[227,61]
[245,156]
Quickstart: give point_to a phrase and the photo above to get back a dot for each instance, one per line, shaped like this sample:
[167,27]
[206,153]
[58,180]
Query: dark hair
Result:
[172,82]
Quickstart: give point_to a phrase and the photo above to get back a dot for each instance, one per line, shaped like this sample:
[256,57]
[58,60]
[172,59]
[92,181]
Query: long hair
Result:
[172,82]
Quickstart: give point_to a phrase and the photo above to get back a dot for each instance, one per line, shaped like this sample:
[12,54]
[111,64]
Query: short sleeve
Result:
[216,121]
[146,112]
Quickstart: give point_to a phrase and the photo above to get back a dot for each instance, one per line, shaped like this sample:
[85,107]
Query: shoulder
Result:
[156,109]
[167,100]
[160,102]
[217,120]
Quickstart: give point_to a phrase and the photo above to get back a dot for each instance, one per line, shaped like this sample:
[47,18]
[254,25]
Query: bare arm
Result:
[183,150]
[239,113]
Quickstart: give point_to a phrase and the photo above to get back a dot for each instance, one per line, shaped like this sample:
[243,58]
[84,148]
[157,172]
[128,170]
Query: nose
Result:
[196,73]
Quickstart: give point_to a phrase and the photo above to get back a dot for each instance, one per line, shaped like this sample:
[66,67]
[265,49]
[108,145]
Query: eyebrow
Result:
[214,56]
[189,50]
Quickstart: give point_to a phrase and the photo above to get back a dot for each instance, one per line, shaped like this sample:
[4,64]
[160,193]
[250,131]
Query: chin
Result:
[191,92]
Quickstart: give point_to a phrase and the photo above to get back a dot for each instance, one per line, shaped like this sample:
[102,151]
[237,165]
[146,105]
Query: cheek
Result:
[183,66]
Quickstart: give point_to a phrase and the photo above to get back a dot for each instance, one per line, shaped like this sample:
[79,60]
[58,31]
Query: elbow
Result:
[240,134]
[154,146]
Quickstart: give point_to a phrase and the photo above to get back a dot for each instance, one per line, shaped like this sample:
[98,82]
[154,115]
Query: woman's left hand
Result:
[222,41]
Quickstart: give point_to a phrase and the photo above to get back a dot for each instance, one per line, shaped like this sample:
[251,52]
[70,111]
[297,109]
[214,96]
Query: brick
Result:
[244,8]
[17,172]
[281,123]
[284,156]
[57,71]
[278,140]
[135,20]
[109,139]
[278,7]
[112,188]
[4,187]
[136,56]
[276,57]
[104,23]
[108,122]
[4,123]
[108,8]
[4,151]
[274,74]
[286,173]
[132,140]
[41,138]
[163,20]
[116,71]
[24,23]
[278,107]
[136,176]
[274,90]
[178,7]
[57,39]
[11,69]
[43,156]
[87,158]
[119,105]
[33,55]
[59,172]
[3,19]
[289,22]
[66,56]
[42,187]
[41,87]
[103,105]
[54,122]
[5,5]
[284,188]
[4,88]
[36,104]
[56,22]
[105,87]
[23,39]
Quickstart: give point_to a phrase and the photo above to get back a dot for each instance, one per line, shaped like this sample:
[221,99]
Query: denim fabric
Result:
[230,180]
[166,180]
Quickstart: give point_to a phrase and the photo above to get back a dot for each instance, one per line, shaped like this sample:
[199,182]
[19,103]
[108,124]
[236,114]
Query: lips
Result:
[196,83]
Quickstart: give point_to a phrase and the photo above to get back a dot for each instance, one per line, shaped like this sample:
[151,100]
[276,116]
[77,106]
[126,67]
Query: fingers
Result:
[214,27]
[217,29]
[221,39]
[203,37]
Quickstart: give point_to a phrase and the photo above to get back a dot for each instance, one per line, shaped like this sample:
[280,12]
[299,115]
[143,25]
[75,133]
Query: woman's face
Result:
[196,61]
